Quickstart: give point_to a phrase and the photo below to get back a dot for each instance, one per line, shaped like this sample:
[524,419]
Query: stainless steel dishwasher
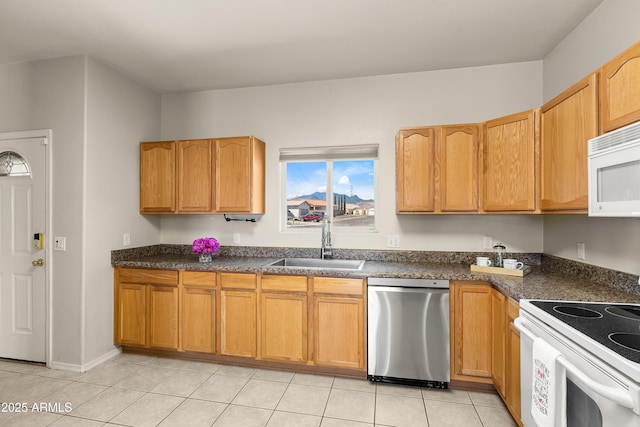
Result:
[408,331]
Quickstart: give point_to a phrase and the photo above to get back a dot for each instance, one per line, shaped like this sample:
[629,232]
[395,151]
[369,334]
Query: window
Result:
[336,183]
[13,164]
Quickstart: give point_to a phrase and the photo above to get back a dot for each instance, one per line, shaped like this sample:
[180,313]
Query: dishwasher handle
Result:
[408,283]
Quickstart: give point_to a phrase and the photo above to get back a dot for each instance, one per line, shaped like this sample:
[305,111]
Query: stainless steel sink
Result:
[317,263]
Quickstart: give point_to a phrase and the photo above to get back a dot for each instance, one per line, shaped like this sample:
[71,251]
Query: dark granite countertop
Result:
[550,277]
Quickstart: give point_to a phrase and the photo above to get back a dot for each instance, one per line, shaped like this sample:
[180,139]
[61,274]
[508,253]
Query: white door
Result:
[22,270]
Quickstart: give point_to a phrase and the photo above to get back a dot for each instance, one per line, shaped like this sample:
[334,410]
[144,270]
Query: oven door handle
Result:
[620,396]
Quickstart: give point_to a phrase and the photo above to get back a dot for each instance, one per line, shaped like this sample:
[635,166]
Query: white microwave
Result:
[614,173]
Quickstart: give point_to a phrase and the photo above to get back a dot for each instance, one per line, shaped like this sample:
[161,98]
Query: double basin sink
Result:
[318,263]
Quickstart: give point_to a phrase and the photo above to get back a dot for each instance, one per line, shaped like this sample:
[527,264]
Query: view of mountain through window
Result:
[349,201]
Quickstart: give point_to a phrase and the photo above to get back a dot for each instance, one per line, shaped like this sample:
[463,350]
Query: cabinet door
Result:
[620,90]
[339,331]
[238,323]
[457,161]
[195,177]
[471,332]
[283,326]
[415,175]
[198,319]
[513,363]
[239,171]
[163,316]
[509,157]
[567,123]
[131,315]
[157,177]
[498,335]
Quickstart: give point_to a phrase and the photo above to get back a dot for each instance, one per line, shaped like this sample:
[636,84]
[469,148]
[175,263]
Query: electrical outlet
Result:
[393,241]
[488,242]
[59,243]
[580,250]
[126,239]
[236,237]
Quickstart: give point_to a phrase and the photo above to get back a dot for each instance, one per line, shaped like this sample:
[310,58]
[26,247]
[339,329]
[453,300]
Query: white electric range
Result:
[600,349]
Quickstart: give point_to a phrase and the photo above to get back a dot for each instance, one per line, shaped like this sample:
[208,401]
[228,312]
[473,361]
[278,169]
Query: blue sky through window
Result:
[353,177]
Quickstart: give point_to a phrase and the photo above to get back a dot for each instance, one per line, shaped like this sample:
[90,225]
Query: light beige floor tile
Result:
[351,405]
[241,416]
[400,411]
[304,399]
[108,373]
[145,378]
[36,388]
[220,388]
[23,368]
[208,367]
[236,371]
[447,414]
[312,379]
[194,413]
[138,359]
[333,422]
[166,362]
[75,394]
[447,395]
[148,411]
[290,419]
[31,419]
[64,375]
[495,417]
[273,375]
[486,399]
[69,421]
[107,404]
[260,394]
[400,390]
[181,383]
[354,384]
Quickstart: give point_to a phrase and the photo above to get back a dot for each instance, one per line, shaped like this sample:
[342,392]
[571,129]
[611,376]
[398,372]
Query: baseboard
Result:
[71,367]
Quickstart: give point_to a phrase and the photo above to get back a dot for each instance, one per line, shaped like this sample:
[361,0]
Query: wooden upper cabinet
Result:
[567,123]
[620,90]
[415,176]
[157,177]
[224,175]
[240,175]
[457,160]
[195,176]
[510,172]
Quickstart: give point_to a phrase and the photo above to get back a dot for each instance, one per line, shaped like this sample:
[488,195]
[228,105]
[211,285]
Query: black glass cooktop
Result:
[616,326]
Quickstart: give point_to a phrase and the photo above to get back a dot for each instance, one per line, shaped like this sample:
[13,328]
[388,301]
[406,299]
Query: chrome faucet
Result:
[326,251]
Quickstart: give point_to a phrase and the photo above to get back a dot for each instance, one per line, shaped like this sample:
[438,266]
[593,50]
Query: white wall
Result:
[610,29]
[15,102]
[357,111]
[120,114]
[58,103]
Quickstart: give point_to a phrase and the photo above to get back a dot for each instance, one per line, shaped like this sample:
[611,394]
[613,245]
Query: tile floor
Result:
[135,390]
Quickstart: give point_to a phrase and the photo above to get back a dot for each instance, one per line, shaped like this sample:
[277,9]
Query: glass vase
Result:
[206,257]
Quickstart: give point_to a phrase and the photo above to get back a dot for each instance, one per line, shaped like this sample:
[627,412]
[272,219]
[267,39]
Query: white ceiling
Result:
[185,45]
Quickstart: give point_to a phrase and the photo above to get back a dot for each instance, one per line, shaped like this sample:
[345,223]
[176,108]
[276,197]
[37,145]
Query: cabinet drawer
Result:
[199,278]
[340,286]
[148,276]
[237,281]
[284,283]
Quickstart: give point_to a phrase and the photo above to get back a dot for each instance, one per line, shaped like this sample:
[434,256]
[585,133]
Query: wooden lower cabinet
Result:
[339,322]
[284,318]
[512,395]
[471,331]
[131,314]
[498,340]
[238,314]
[199,311]
[163,317]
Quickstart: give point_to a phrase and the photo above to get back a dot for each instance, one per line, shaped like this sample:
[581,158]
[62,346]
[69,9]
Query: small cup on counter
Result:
[483,261]
[512,264]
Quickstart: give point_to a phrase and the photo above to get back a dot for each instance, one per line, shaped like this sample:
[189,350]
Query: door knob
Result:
[38,262]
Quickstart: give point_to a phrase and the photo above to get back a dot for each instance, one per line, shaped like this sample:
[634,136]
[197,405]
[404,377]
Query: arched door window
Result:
[13,164]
